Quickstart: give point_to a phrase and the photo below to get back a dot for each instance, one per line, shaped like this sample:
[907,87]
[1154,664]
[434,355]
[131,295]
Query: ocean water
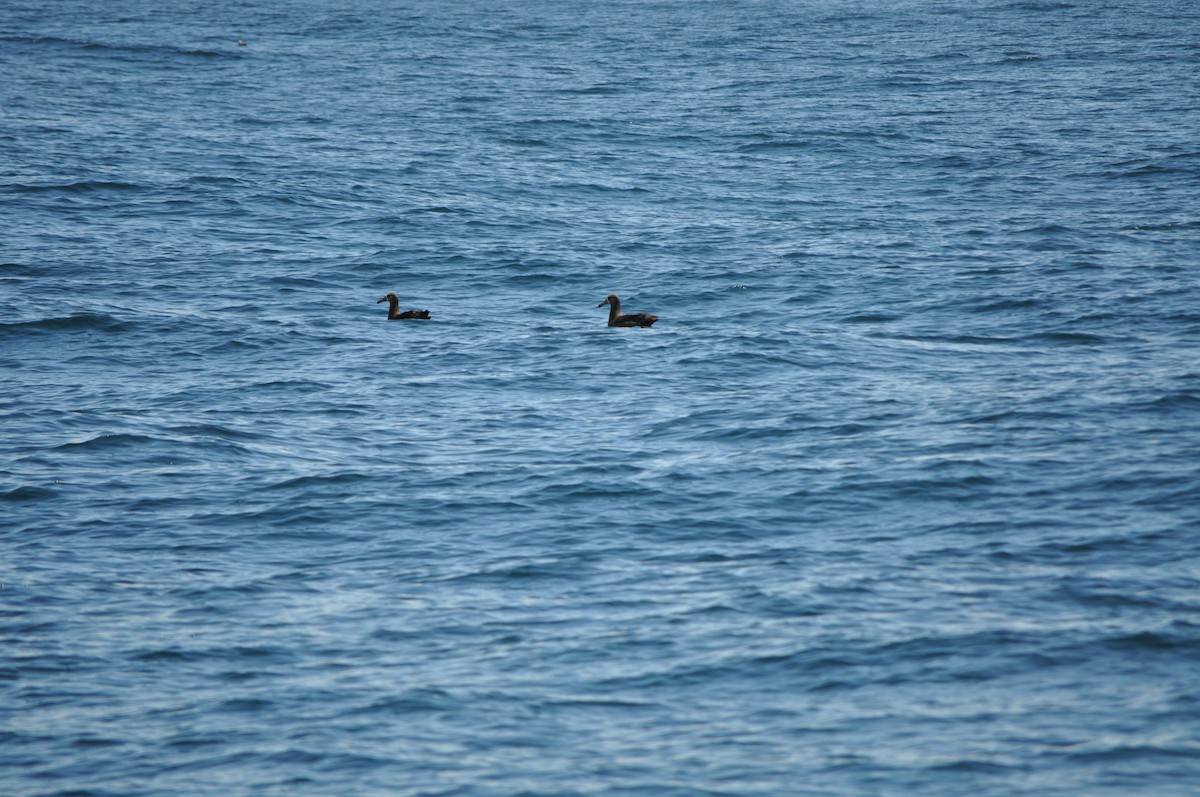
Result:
[900,496]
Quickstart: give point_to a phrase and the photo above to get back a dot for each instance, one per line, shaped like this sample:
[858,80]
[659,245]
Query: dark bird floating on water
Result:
[394,313]
[615,319]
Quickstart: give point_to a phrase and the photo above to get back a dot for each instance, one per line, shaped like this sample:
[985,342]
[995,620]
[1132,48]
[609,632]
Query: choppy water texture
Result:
[901,495]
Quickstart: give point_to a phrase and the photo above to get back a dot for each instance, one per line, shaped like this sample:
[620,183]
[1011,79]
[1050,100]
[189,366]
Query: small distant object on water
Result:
[394,313]
[241,42]
[616,319]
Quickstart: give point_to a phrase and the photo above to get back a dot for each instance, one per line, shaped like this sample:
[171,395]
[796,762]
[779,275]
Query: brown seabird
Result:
[615,319]
[394,313]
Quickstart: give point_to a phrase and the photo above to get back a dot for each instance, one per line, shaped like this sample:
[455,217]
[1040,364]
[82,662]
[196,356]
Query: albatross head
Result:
[391,297]
[612,299]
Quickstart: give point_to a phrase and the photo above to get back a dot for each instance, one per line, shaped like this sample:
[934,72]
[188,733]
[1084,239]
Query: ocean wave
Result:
[307,483]
[106,442]
[98,322]
[120,48]
[29,493]
[78,187]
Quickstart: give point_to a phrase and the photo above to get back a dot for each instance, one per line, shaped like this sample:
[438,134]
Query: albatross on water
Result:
[394,313]
[616,319]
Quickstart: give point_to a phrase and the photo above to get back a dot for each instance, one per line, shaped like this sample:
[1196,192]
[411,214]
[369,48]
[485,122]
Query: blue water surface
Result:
[900,495]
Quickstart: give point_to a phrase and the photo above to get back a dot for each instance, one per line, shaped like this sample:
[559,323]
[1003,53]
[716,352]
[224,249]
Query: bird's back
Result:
[634,320]
[411,314]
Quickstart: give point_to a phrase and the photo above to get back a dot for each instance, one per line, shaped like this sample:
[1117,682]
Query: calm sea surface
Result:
[900,496]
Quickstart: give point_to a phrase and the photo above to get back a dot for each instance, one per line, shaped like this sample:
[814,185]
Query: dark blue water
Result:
[900,496]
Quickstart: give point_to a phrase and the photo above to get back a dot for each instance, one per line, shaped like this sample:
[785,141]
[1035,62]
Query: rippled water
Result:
[899,496]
